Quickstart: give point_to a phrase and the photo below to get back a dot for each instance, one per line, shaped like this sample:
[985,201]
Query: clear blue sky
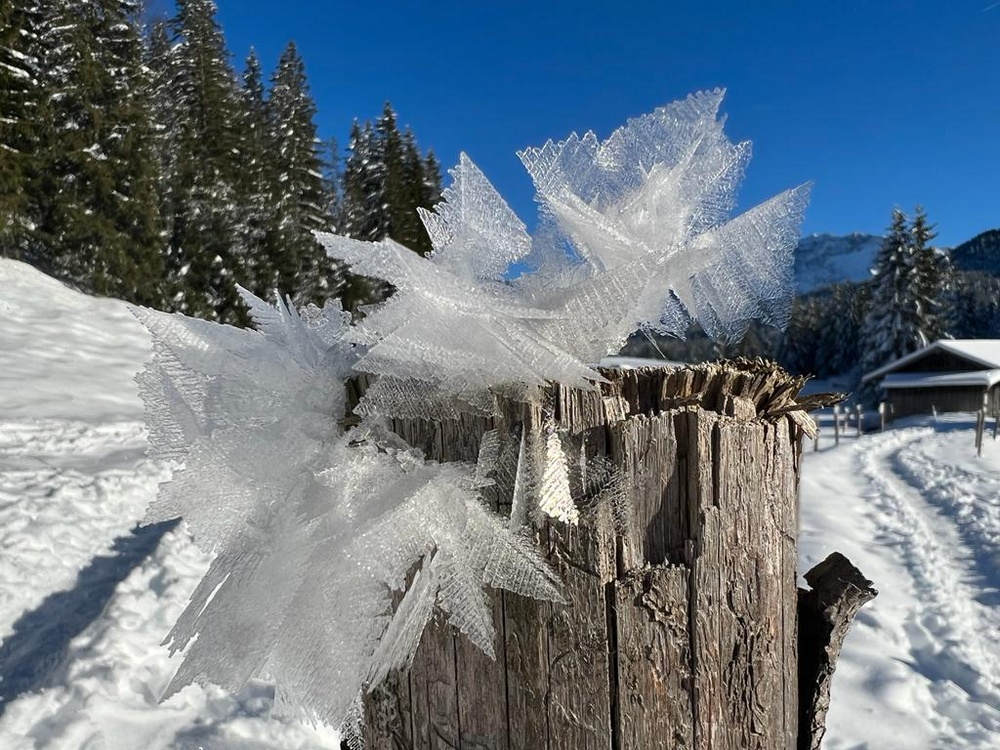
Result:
[878,103]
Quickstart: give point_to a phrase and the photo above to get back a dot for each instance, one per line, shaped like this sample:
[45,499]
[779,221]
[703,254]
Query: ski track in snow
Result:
[926,647]
[946,630]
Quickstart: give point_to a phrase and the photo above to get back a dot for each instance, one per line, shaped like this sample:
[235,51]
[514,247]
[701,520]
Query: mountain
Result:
[981,253]
[824,259]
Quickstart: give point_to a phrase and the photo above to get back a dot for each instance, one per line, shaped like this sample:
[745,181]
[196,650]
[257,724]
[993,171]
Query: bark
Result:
[838,591]
[680,626]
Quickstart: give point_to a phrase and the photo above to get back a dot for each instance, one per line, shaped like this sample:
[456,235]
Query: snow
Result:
[824,259]
[917,512]
[85,599]
[982,378]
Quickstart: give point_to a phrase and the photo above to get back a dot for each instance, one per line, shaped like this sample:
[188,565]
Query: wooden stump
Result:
[679,629]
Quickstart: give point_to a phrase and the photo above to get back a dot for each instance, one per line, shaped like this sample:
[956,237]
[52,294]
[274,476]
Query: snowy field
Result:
[86,597]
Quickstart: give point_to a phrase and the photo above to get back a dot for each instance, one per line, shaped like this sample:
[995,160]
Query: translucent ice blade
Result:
[605,173]
[472,229]
[554,497]
[647,212]
[398,644]
[742,271]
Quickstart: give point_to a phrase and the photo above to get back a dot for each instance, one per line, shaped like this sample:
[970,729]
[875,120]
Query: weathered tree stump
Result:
[838,591]
[679,629]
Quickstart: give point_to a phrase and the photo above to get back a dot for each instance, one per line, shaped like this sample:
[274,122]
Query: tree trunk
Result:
[679,629]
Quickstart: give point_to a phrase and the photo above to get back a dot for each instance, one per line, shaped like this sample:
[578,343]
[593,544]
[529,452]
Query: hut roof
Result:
[984,352]
[982,378]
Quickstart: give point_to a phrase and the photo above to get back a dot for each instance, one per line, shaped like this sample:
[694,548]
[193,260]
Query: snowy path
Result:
[46,465]
[926,649]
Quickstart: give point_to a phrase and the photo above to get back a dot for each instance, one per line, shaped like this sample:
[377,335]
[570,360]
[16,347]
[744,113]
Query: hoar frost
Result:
[335,546]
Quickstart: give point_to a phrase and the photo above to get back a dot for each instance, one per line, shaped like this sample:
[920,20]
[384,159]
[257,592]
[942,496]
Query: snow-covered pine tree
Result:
[93,188]
[160,70]
[205,259]
[890,329]
[385,180]
[362,194]
[422,185]
[255,180]
[432,186]
[298,192]
[933,271]
[131,264]
[906,292]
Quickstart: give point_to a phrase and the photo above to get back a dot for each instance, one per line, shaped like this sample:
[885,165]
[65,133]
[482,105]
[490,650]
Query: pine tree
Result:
[19,95]
[419,190]
[907,289]
[92,191]
[204,255]
[299,264]
[256,178]
[800,341]
[131,264]
[363,199]
[385,179]
[933,274]
[432,185]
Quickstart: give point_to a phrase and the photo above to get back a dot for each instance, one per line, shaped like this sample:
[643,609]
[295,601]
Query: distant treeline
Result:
[136,163]
[917,295]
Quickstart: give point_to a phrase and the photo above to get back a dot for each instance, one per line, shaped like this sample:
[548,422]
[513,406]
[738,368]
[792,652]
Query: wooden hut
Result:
[946,376]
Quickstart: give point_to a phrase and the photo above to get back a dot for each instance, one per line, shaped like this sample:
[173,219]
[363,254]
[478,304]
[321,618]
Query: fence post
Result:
[836,424]
[860,417]
[980,425]
[881,416]
[682,611]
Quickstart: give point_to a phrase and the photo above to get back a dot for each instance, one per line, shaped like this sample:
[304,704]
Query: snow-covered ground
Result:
[86,597]
[919,513]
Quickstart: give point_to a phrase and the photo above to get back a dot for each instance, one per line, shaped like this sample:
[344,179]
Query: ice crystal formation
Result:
[334,545]
[314,527]
[635,234]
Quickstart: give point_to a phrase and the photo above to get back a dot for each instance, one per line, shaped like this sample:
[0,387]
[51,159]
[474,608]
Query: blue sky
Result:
[880,104]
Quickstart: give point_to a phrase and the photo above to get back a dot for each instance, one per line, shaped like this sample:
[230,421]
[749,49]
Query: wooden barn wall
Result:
[905,401]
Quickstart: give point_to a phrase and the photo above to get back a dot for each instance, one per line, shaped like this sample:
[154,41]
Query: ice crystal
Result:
[635,233]
[554,497]
[314,528]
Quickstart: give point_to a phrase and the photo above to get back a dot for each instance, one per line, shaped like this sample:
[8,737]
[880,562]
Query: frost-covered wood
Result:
[679,629]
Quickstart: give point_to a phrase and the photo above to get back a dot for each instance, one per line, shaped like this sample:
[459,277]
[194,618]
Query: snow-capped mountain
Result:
[824,259]
[981,253]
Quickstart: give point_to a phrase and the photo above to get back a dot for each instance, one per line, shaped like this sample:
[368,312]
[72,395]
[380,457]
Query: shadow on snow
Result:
[41,637]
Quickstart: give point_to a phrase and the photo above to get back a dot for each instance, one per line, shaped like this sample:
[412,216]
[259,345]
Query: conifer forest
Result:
[136,162]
